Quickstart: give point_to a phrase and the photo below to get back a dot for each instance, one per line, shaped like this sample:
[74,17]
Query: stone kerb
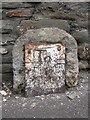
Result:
[50,36]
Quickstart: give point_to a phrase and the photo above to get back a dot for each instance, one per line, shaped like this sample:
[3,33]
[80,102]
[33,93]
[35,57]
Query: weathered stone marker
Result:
[44,60]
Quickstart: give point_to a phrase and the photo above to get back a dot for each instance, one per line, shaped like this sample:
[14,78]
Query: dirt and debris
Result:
[71,95]
[33,105]
[57,105]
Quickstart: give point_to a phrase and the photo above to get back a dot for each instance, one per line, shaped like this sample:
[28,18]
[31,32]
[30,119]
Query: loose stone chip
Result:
[71,95]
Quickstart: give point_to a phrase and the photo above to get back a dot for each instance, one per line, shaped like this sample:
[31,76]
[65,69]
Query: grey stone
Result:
[84,65]
[6,60]
[7,77]
[9,54]
[46,35]
[38,16]
[3,50]
[8,26]
[0,14]
[3,93]
[82,24]
[9,48]
[81,36]
[0,59]
[63,10]
[71,95]
[0,5]
[3,43]
[79,7]
[49,6]
[5,31]
[64,15]
[6,68]
[43,23]
[84,51]
[7,38]
[13,5]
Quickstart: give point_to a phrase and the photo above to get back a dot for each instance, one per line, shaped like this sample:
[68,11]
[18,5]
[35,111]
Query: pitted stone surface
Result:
[50,36]
[44,68]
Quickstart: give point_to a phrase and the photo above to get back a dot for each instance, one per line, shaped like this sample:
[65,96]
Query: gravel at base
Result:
[52,105]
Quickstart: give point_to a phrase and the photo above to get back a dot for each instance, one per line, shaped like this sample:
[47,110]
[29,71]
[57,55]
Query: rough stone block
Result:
[14,5]
[8,26]
[7,38]
[6,60]
[84,51]
[20,13]
[43,23]
[83,24]
[6,68]
[77,6]
[7,77]
[84,65]
[64,15]
[81,36]
[49,6]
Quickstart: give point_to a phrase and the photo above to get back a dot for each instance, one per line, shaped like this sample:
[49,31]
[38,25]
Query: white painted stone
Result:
[44,67]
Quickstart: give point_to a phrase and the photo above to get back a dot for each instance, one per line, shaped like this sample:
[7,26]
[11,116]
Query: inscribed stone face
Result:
[44,68]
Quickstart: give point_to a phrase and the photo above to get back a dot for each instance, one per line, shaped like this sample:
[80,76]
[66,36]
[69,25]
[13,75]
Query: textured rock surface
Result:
[63,15]
[84,65]
[46,35]
[7,38]
[14,5]
[6,68]
[84,51]
[44,68]
[81,36]
[20,13]
[8,26]
[31,24]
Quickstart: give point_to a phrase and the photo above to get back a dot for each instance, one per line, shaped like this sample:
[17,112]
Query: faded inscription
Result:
[44,67]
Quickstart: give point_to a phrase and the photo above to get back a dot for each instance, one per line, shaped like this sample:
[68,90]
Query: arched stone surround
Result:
[49,36]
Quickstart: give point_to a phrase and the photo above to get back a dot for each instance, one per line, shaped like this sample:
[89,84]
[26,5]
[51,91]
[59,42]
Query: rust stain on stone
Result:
[15,14]
[44,67]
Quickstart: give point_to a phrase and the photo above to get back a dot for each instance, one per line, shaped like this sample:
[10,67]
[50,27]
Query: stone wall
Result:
[18,17]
